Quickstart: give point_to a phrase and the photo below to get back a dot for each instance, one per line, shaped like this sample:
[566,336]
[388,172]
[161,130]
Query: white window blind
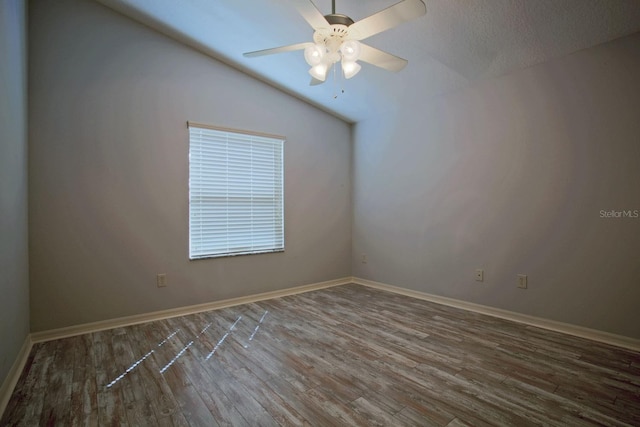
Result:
[235,192]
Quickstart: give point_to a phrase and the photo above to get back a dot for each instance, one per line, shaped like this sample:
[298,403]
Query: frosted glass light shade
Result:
[350,50]
[319,71]
[350,68]
[314,54]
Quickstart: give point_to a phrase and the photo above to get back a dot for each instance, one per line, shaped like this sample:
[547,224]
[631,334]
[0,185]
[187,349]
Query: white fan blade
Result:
[288,48]
[380,58]
[388,18]
[310,13]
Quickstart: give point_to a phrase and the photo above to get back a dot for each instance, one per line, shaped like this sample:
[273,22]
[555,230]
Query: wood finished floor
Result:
[347,356]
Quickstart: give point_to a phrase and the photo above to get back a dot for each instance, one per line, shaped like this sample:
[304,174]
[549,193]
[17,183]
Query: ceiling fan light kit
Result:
[321,56]
[336,38]
[350,69]
[350,50]
[314,54]
[319,71]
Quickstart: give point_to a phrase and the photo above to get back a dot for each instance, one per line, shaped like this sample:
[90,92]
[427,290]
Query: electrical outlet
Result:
[364,258]
[479,275]
[161,280]
[522,281]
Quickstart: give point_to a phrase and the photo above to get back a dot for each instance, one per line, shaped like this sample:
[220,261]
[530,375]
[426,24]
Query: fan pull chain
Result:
[337,76]
[335,82]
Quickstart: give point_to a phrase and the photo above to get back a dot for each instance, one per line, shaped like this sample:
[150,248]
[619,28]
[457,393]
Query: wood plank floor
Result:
[346,356]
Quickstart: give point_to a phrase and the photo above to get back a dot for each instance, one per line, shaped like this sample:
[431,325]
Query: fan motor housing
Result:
[337,31]
[338,19]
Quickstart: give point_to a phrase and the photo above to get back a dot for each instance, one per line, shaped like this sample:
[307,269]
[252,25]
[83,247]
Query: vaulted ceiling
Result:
[456,43]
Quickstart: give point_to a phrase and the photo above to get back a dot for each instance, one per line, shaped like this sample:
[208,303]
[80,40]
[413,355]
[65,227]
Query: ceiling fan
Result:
[336,38]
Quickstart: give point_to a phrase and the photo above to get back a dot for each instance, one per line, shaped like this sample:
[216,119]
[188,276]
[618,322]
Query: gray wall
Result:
[510,176]
[14,269]
[109,101]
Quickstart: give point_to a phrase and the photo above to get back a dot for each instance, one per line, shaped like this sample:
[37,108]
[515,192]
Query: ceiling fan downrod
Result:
[337,19]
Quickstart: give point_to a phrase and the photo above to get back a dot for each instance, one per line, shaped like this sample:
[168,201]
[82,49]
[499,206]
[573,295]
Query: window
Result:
[235,192]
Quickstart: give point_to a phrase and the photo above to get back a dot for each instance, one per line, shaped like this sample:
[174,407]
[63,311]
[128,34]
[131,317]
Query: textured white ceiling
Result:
[454,44]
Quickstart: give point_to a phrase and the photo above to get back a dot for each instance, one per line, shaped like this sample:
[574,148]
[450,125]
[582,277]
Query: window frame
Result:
[275,189]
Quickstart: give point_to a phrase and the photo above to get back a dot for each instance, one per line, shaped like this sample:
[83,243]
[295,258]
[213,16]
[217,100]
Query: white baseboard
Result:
[14,374]
[567,328]
[70,331]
